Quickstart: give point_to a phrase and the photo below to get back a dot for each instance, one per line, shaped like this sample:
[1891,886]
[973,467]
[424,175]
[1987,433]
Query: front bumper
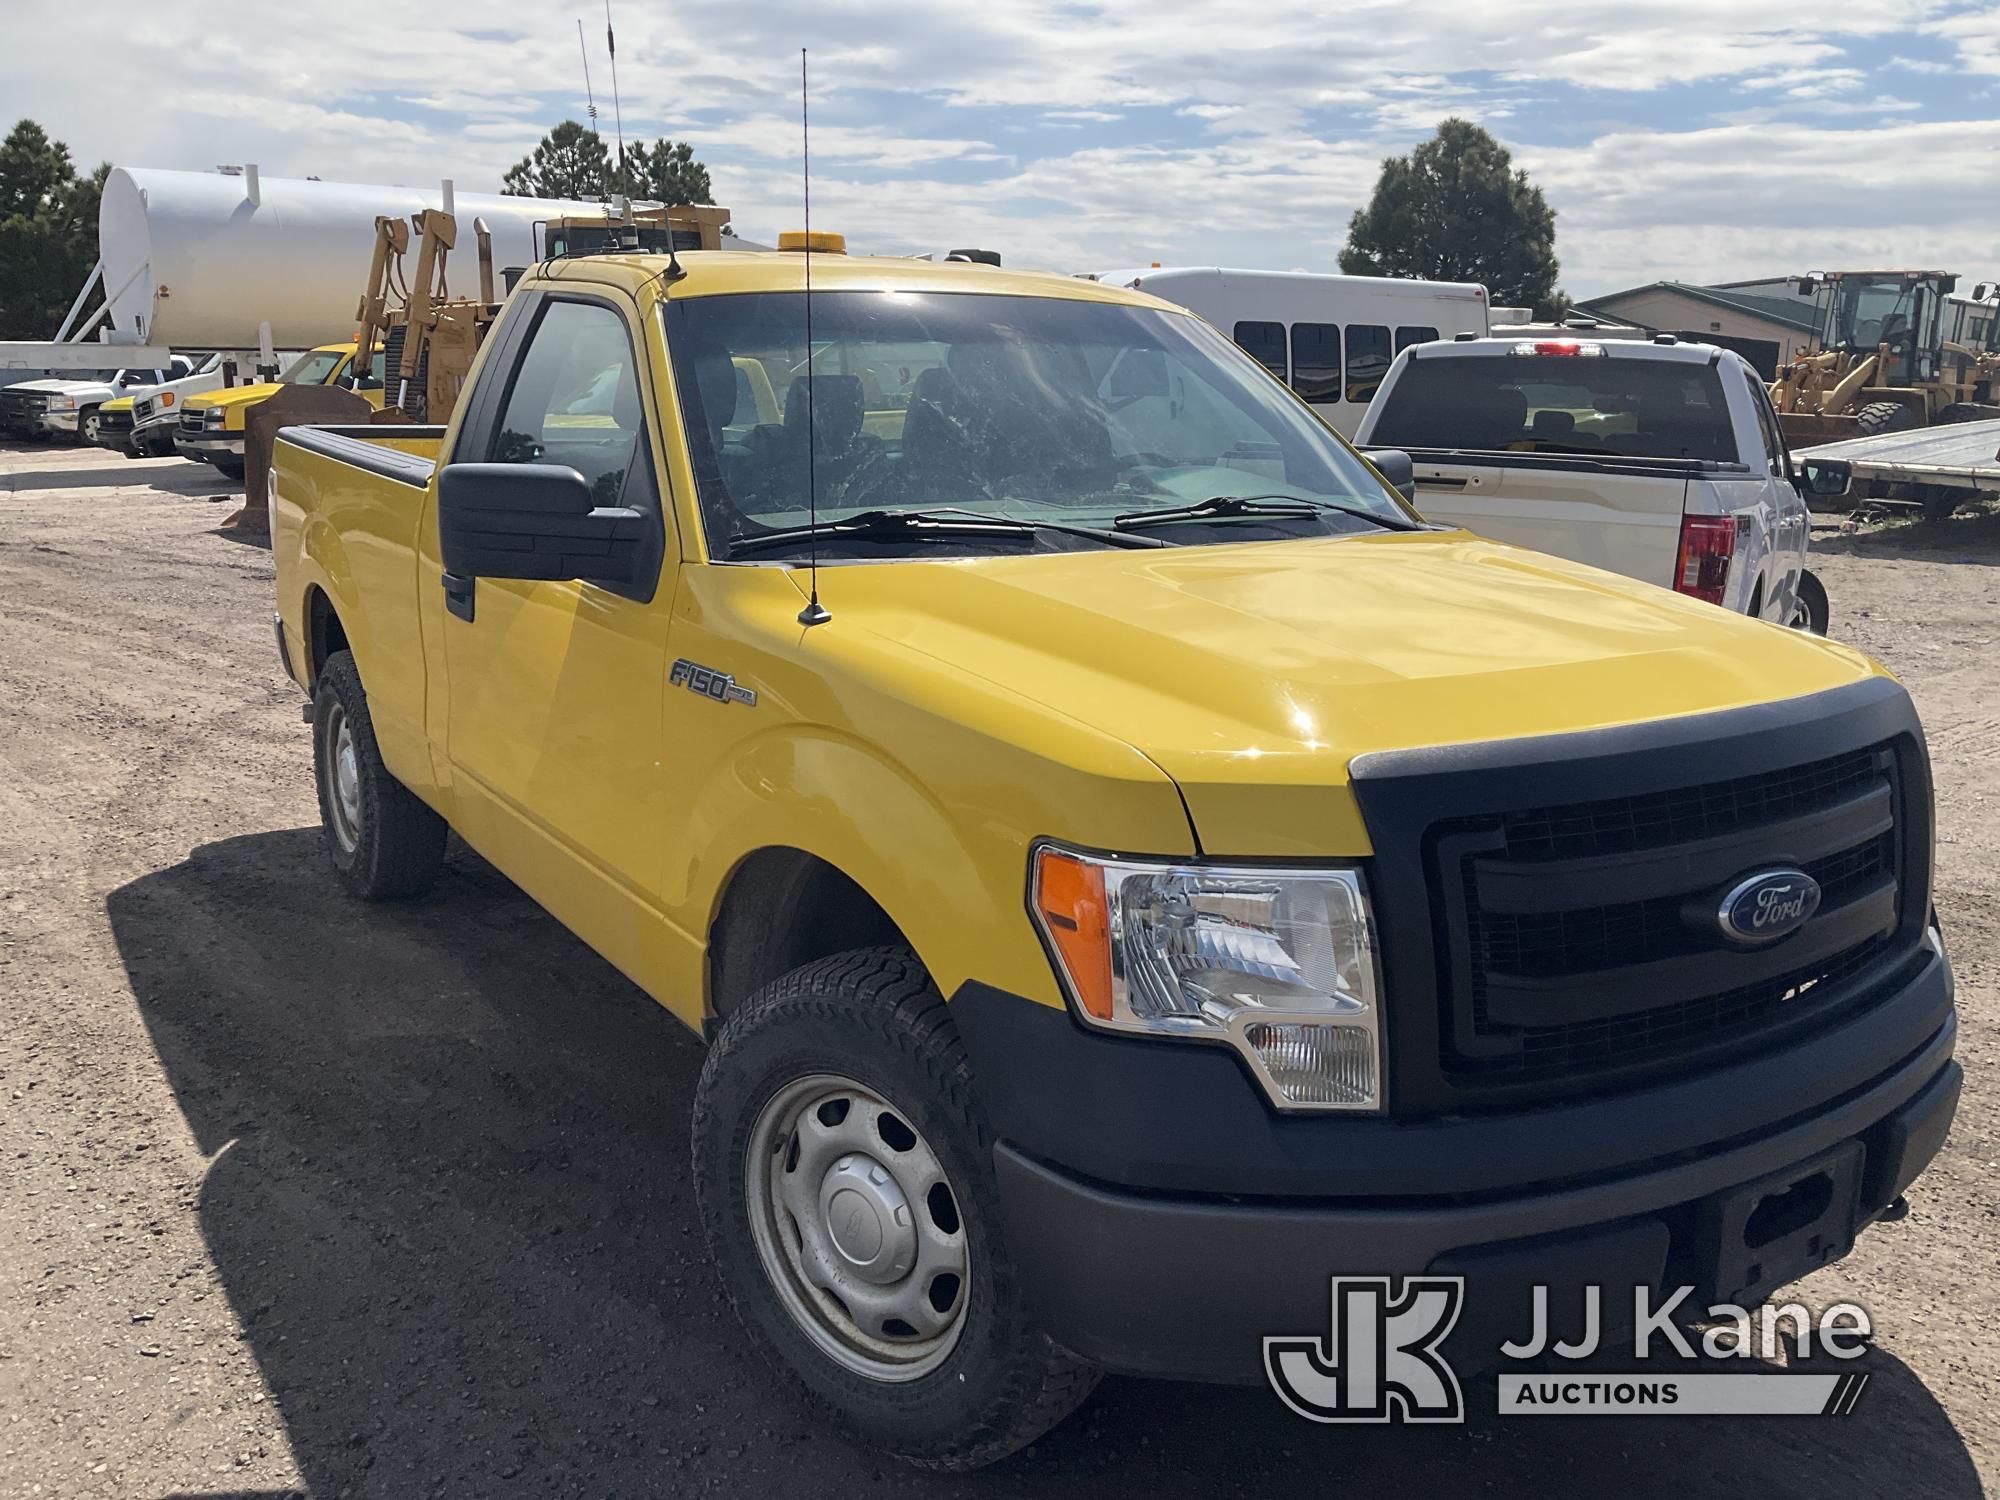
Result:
[61,421]
[207,447]
[1166,1221]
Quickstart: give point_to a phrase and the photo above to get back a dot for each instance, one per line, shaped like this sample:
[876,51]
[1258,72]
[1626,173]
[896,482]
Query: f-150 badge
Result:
[711,684]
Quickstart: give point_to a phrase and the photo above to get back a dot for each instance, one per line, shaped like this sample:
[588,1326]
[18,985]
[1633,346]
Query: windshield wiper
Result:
[942,521]
[1228,507]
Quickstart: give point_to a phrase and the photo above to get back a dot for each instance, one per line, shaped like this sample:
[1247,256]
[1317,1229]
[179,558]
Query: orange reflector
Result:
[1069,895]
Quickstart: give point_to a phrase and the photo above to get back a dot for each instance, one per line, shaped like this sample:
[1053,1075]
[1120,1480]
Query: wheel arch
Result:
[780,908]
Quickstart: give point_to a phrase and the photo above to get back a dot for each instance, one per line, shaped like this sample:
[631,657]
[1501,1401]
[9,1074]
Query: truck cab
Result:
[1127,865]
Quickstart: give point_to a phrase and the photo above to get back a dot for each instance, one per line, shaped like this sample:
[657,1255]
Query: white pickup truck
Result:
[1662,461]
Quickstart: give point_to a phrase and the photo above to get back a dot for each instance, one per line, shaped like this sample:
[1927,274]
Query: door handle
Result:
[458,594]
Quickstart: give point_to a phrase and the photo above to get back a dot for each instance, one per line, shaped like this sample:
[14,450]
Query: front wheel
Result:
[845,1177]
[1810,611]
[230,464]
[87,428]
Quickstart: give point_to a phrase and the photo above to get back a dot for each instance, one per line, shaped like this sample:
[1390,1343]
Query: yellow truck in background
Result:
[211,426]
[1129,867]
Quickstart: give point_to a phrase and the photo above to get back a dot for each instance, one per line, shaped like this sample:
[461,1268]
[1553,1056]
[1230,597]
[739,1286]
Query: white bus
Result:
[1330,338]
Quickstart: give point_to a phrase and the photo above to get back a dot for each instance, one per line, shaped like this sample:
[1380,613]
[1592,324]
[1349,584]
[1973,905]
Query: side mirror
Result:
[1806,286]
[1825,478]
[1982,291]
[533,521]
[1394,465]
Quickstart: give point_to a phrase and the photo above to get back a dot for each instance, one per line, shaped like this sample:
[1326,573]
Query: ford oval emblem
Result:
[1764,907]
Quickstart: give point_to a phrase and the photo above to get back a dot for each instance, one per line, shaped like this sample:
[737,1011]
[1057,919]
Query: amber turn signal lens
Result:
[1069,897]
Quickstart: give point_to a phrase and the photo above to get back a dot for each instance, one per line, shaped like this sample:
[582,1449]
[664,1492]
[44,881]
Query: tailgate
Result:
[1625,523]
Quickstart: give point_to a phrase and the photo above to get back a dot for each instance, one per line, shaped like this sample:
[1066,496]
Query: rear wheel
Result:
[384,841]
[1883,416]
[1965,411]
[1810,611]
[845,1176]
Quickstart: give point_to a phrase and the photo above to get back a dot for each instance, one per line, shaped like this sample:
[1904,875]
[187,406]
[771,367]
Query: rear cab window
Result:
[1627,408]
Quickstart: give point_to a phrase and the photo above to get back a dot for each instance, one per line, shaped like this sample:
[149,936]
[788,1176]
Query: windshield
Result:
[1871,311]
[1515,403]
[315,368]
[1033,409]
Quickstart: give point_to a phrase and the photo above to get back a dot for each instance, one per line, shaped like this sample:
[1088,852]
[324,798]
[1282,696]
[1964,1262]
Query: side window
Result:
[1368,357]
[1767,424]
[1265,343]
[1316,361]
[574,400]
[1408,336]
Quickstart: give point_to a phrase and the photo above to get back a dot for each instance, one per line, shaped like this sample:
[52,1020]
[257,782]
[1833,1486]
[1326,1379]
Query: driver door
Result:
[555,688]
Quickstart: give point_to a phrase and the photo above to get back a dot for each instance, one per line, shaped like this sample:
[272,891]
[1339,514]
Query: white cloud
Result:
[1794,150]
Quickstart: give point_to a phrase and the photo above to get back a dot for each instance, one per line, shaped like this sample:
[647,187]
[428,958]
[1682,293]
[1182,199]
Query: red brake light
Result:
[1707,545]
[1571,348]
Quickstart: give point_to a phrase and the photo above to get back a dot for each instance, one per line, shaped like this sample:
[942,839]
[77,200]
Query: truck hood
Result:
[236,395]
[1254,673]
[59,387]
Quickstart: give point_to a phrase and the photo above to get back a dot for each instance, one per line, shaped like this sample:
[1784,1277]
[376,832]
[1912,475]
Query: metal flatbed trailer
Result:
[1937,467]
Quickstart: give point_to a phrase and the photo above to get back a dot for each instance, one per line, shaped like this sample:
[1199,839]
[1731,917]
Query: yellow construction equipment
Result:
[1883,363]
[431,336]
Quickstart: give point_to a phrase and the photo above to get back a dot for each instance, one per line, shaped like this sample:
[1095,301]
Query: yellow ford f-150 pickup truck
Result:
[1129,867]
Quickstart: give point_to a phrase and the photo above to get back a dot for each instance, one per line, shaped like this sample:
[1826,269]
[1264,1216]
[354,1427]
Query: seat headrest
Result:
[1554,424]
[837,404]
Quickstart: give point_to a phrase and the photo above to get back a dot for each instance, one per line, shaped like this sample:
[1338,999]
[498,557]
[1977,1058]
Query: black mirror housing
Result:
[1395,466]
[1825,478]
[535,521]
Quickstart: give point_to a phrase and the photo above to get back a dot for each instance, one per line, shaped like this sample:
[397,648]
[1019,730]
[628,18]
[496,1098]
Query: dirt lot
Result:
[302,1197]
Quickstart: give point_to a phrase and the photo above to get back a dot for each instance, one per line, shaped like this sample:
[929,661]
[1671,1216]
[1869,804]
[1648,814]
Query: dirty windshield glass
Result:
[1027,409]
[1628,408]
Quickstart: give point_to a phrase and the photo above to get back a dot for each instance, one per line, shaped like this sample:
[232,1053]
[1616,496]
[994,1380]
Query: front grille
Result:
[22,405]
[115,421]
[1579,939]
[191,421]
[1619,824]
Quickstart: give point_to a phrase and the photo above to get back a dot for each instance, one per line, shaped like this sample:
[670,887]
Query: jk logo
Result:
[1379,1362]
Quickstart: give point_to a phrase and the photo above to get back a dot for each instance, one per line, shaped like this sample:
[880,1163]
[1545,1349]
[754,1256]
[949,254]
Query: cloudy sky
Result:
[1683,139]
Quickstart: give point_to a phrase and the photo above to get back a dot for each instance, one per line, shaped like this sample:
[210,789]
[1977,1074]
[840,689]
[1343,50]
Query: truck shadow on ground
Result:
[449,1204]
[177,477]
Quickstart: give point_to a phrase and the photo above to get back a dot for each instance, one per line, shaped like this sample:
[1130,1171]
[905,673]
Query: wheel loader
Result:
[1883,363]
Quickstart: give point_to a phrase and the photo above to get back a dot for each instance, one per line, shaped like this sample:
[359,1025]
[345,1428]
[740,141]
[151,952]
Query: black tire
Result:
[874,1017]
[1965,411]
[385,843]
[1940,501]
[1883,416]
[88,425]
[230,465]
[1810,611]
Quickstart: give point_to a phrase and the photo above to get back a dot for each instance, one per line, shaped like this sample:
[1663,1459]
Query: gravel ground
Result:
[303,1197]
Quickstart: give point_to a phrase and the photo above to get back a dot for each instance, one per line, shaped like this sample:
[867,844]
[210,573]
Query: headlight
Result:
[62,403]
[1278,962]
[213,417]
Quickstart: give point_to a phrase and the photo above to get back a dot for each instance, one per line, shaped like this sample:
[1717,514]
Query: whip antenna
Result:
[617,111]
[589,99]
[814,613]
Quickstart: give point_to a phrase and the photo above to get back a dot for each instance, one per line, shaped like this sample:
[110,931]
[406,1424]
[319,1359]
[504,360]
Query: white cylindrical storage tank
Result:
[192,262]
